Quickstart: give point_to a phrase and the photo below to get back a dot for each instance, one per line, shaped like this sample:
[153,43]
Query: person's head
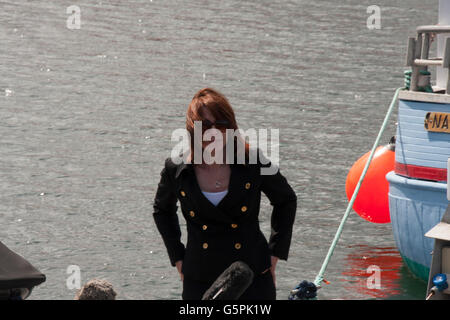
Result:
[213,110]
[96,289]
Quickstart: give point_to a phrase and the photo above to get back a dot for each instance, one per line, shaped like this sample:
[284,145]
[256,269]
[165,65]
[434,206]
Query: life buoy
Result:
[372,202]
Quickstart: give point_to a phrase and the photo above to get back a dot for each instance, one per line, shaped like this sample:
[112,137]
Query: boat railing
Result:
[418,54]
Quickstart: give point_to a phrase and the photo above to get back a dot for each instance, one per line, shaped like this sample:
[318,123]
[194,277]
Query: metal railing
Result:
[418,54]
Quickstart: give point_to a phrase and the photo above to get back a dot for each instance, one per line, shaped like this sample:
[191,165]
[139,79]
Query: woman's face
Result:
[208,116]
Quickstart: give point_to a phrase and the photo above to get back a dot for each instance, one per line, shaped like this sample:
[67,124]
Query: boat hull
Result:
[418,184]
[415,207]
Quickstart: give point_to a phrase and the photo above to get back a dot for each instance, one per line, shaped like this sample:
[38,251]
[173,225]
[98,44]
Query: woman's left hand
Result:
[274,261]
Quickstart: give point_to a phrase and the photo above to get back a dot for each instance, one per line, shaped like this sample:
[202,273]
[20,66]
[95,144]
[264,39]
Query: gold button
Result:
[237,246]
[205,246]
[183,193]
[247,185]
[244,208]
[192,213]
[234,225]
[205,227]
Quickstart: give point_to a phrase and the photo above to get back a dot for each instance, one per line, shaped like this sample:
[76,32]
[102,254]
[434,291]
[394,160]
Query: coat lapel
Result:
[234,190]
[222,211]
[207,209]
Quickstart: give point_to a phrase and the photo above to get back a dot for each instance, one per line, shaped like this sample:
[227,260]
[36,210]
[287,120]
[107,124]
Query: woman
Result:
[220,202]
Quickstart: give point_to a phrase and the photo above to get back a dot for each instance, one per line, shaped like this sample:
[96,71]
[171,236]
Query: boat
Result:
[438,288]
[418,184]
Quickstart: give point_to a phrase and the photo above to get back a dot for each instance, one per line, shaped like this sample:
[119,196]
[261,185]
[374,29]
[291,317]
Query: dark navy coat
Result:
[218,236]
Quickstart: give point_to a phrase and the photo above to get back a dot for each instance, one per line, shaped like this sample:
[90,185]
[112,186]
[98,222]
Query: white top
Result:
[215,197]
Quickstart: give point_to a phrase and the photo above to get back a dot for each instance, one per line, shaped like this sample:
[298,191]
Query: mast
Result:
[444,19]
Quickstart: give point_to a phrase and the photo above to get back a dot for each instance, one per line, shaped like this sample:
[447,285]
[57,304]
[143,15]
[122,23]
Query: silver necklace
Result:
[218,183]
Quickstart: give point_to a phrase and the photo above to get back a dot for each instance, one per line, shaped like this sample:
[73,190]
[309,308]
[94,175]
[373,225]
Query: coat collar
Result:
[220,212]
[182,167]
[190,167]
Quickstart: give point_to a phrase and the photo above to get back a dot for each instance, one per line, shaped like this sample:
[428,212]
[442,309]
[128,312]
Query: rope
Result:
[408,75]
[319,277]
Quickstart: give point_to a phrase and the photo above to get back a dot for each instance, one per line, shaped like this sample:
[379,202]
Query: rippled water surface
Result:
[86,118]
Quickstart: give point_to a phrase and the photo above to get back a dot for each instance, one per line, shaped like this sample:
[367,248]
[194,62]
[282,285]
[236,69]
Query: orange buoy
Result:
[372,202]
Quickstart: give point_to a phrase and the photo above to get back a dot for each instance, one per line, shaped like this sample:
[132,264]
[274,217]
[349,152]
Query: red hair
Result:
[219,106]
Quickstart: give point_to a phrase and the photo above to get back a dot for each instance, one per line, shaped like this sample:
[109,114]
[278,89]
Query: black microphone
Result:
[17,276]
[231,284]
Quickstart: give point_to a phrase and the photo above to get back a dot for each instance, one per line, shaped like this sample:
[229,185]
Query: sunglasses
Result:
[219,124]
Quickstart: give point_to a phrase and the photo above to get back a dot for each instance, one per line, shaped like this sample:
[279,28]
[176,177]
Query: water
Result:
[86,117]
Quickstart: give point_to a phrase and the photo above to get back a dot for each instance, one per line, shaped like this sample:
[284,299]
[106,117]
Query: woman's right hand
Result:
[179,265]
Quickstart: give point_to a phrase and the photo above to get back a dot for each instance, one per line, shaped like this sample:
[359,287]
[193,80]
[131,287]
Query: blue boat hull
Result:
[415,207]
[416,146]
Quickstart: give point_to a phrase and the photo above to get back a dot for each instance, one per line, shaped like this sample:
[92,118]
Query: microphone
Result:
[17,276]
[231,284]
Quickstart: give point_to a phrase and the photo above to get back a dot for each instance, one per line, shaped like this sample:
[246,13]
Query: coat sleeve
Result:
[166,218]
[284,201]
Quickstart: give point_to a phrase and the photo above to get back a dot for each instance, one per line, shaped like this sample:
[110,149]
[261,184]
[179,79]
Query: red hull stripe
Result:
[418,172]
